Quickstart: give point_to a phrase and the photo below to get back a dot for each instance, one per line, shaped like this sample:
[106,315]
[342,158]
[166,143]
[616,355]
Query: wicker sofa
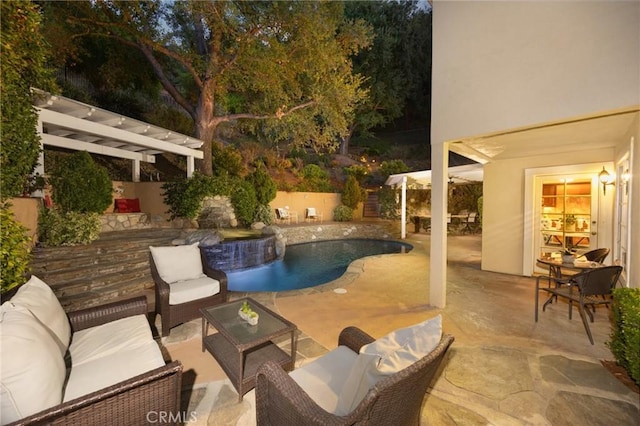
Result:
[94,366]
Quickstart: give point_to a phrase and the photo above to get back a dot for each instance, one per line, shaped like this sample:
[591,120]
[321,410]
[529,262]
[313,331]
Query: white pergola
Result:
[70,124]
[422,179]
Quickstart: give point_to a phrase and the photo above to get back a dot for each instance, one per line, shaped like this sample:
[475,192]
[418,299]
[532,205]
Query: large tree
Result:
[394,67]
[287,63]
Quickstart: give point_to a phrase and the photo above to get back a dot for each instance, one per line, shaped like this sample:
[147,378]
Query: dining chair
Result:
[592,287]
[597,255]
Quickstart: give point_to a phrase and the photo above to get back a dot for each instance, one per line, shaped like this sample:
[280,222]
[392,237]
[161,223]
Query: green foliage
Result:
[24,55]
[15,250]
[342,213]
[389,205]
[80,185]
[184,197]
[352,194]
[266,188]
[357,171]
[625,336]
[244,202]
[264,214]
[315,179]
[465,197]
[392,167]
[227,161]
[58,228]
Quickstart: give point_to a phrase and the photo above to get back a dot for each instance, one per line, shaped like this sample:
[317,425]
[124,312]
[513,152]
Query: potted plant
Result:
[570,223]
[248,314]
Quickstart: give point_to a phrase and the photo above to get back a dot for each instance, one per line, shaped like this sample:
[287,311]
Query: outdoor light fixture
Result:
[605,179]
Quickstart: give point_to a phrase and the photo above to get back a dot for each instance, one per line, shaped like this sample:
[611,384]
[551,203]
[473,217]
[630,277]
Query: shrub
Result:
[264,214]
[392,167]
[357,171]
[184,197]
[315,179]
[244,202]
[15,250]
[80,185]
[625,336]
[24,59]
[265,187]
[352,194]
[58,228]
[227,161]
[389,206]
[342,213]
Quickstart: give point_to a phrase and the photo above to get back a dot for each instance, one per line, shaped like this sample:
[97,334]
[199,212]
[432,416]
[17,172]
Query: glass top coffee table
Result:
[240,348]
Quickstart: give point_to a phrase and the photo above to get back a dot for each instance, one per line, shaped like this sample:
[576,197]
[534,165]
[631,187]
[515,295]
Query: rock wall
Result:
[331,231]
[217,212]
[127,221]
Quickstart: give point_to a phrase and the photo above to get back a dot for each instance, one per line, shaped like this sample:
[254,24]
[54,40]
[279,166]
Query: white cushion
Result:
[98,373]
[178,263]
[39,299]
[109,353]
[106,339]
[32,370]
[186,291]
[323,378]
[386,356]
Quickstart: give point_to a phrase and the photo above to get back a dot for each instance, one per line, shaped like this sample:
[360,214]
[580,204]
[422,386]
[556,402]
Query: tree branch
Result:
[278,114]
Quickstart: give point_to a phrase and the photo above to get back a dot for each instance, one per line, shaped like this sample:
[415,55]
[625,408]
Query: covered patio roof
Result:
[70,124]
[469,173]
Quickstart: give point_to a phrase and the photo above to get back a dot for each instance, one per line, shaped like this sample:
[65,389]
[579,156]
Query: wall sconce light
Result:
[605,179]
[626,176]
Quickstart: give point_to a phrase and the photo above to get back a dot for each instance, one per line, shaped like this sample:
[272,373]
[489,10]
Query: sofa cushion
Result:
[178,263]
[106,354]
[386,356]
[98,373]
[127,205]
[323,378]
[32,370]
[186,291]
[109,338]
[38,298]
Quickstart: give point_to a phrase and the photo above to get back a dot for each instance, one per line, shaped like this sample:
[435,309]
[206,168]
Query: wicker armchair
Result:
[172,315]
[129,401]
[395,400]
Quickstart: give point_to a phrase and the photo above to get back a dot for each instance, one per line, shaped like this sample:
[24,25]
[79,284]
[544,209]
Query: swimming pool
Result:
[310,264]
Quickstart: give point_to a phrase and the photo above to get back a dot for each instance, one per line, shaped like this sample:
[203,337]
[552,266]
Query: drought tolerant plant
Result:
[352,194]
[342,213]
[15,250]
[244,202]
[625,336]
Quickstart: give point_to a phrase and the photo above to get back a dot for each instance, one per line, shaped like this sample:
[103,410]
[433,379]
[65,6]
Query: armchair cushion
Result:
[198,288]
[38,298]
[179,263]
[324,378]
[386,356]
[32,368]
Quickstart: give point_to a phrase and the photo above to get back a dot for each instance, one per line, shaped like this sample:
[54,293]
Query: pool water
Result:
[310,264]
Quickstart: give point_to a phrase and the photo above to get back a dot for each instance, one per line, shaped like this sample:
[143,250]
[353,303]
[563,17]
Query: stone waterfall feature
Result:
[240,254]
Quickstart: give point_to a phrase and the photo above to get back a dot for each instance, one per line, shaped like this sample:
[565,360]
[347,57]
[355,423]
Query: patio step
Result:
[116,266]
[371,207]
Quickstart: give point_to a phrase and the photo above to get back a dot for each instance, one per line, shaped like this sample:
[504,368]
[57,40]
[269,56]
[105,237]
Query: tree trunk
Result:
[205,131]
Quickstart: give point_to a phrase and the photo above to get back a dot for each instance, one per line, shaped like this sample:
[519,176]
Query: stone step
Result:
[61,264]
[92,272]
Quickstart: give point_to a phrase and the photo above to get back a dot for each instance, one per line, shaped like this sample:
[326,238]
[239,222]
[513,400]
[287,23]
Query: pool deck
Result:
[502,369]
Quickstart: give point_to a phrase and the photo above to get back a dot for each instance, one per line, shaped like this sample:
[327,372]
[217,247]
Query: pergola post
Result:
[403,217]
[191,166]
[135,171]
[438,255]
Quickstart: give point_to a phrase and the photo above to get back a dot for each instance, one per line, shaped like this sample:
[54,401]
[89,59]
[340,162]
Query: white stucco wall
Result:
[508,64]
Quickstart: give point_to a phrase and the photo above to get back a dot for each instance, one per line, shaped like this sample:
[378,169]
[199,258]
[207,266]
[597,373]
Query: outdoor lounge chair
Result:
[591,287]
[184,283]
[282,216]
[312,215]
[318,393]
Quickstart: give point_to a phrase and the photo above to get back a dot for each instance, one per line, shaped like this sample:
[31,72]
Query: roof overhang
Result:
[469,173]
[70,124]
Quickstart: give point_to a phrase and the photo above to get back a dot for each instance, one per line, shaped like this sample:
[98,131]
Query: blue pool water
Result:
[310,264]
